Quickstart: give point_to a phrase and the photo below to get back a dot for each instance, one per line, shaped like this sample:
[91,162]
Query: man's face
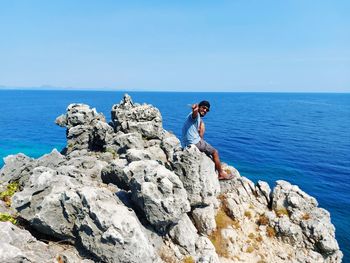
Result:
[203,110]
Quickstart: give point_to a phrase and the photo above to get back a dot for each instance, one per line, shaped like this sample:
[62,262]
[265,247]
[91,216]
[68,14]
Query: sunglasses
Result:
[206,108]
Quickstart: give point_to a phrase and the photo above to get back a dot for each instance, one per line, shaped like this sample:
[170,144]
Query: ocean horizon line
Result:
[3,88]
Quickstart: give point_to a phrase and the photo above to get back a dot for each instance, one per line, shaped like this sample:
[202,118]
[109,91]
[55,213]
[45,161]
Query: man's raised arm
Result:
[194,111]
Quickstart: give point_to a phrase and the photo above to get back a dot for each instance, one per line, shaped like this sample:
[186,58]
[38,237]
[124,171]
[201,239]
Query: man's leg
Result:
[217,162]
[205,147]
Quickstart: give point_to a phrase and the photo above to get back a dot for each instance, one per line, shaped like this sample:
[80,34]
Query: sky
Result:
[234,46]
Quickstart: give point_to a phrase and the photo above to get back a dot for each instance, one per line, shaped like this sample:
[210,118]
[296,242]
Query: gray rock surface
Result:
[197,172]
[158,193]
[204,218]
[144,119]
[185,234]
[18,245]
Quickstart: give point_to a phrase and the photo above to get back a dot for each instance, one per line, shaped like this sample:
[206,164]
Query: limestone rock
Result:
[170,144]
[158,193]
[204,218]
[114,173]
[198,175]
[51,160]
[18,245]
[185,234]
[15,167]
[121,142]
[111,231]
[206,251]
[86,129]
[144,119]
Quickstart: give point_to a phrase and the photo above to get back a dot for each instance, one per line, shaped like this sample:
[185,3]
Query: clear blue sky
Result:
[236,45]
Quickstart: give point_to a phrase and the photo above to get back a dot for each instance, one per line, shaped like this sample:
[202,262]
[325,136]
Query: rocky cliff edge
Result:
[125,191]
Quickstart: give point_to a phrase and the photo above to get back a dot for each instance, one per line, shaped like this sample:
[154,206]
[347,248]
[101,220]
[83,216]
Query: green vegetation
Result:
[112,151]
[6,217]
[11,189]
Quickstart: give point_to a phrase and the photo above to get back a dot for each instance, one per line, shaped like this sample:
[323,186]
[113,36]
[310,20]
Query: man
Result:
[193,132]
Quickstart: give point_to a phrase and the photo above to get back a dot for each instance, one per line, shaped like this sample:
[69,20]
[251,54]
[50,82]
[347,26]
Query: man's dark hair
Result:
[204,103]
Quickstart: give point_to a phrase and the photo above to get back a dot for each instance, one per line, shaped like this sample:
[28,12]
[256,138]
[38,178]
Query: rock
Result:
[111,231]
[263,191]
[206,251]
[144,119]
[41,202]
[204,218]
[198,175]
[111,177]
[314,222]
[289,232]
[158,193]
[114,173]
[51,160]
[170,144]
[18,245]
[121,142]
[185,234]
[78,114]
[16,167]
[152,153]
[86,129]
[88,165]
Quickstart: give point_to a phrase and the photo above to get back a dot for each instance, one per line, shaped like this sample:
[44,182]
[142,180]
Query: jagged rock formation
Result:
[125,191]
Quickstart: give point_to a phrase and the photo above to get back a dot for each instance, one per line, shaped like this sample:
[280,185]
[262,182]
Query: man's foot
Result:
[225,176]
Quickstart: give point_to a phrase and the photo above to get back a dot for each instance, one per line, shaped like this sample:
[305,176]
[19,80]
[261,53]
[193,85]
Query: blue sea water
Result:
[299,137]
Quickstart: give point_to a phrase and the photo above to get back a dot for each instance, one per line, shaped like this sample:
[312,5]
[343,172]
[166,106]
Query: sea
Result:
[303,138]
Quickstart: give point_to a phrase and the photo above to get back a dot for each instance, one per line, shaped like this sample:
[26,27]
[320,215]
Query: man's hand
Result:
[194,111]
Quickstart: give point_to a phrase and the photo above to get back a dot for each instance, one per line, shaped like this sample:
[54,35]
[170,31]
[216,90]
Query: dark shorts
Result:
[205,147]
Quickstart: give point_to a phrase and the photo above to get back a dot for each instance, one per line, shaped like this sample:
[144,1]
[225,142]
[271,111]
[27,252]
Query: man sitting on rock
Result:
[193,132]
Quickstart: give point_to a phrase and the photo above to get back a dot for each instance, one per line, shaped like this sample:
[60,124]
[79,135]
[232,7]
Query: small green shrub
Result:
[11,189]
[6,217]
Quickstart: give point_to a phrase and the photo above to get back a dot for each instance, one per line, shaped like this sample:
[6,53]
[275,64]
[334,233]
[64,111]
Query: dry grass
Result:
[259,238]
[306,216]
[222,221]
[281,212]
[219,243]
[167,255]
[270,232]
[263,220]
[250,249]
[248,214]
[188,259]
[60,259]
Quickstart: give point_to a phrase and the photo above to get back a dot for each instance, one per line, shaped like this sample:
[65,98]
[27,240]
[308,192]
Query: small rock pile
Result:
[126,191]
